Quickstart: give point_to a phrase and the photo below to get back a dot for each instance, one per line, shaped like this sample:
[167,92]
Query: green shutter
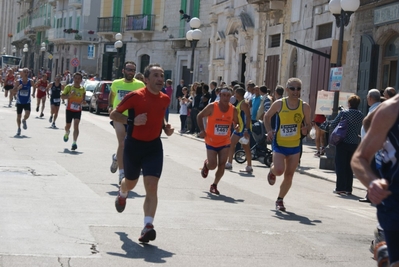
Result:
[195,9]
[117,14]
[182,30]
[147,7]
[77,23]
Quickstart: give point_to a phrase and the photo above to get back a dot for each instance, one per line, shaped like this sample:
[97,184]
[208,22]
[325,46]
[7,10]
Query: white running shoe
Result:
[228,166]
[114,164]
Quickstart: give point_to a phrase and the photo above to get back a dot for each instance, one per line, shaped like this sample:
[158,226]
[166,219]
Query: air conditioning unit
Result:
[317,10]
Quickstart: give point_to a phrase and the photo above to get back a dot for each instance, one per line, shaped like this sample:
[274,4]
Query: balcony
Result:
[56,35]
[140,23]
[109,25]
[19,37]
[41,23]
[75,3]
[82,37]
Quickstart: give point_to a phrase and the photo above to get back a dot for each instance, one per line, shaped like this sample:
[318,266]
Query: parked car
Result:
[89,86]
[99,99]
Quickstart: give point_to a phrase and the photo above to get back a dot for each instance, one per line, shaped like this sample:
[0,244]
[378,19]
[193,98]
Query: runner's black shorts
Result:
[72,115]
[8,87]
[142,155]
[21,107]
[52,103]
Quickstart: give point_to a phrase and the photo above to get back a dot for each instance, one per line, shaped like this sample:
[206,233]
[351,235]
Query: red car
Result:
[99,100]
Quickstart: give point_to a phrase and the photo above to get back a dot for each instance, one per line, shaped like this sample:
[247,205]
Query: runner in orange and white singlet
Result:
[9,85]
[220,116]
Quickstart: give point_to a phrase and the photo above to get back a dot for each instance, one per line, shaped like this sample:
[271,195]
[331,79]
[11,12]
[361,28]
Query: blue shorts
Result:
[392,239]
[141,155]
[286,151]
[241,134]
[217,149]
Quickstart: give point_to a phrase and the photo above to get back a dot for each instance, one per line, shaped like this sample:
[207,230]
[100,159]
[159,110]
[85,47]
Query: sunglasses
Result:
[292,88]
[129,69]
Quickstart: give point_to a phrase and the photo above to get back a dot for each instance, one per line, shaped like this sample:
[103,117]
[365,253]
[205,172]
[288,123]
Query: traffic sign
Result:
[75,62]
[324,102]
[50,56]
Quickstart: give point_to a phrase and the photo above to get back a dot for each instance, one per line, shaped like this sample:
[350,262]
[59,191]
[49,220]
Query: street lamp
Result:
[193,36]
[43,50]
[342,11]
[25,50]
[118,45]
[13,50]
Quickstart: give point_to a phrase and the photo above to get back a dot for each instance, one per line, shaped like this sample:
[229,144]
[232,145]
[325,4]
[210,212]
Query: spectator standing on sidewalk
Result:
[345,149]
[179,94]
[169,92]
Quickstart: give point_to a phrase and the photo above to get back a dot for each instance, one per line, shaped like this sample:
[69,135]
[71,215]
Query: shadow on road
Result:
[132,194]
[66,150]
[20,136]
[148,253]
[222,198]
[290,216]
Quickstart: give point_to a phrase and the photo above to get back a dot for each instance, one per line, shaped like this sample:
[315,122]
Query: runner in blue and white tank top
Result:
[383,185]
[22,90]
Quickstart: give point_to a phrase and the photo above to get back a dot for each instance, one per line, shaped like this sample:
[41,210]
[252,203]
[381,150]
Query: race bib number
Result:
[43,89]
[56,100]
[121,94]
[10,82]
[287,130]
[221,130]
[75,106]
[23,92]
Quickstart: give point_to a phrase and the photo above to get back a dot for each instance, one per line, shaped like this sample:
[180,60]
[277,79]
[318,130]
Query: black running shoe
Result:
[148,234]
[37,109]
[74,146]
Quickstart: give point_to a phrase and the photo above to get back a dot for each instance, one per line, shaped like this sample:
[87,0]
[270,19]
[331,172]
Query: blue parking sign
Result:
[90,51]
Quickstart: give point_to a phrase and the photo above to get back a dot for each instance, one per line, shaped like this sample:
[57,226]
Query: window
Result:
[144,62]
[275,40]
[324,31]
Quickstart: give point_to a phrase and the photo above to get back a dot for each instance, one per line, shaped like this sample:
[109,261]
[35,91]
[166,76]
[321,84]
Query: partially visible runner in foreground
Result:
[220,117]
[143,147]
[383,184]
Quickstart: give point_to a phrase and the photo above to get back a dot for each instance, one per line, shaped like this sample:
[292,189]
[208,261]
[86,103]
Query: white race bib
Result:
[23,92]
[56,100]
[221,129]
[122,93]
[43,89]
[75,106]
[287,130]
[10,82]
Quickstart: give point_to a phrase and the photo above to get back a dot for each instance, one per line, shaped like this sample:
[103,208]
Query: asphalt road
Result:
[57,207]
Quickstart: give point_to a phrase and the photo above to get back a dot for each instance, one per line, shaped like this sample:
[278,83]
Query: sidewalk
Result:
[309,163]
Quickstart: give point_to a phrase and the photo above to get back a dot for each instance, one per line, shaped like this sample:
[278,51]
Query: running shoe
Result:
[228,166]
[121,176]
[53,125]
[205,170]
[214,189]
[247,169]
[341,193]
[51,119]
[24,125]
[148,234]
[120,203]
[41,115]
[66,137]
[9,105]
[280,205]
[317,154]
[114,164]
[19,131]
[37,109]
[271,178]
[74,146]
